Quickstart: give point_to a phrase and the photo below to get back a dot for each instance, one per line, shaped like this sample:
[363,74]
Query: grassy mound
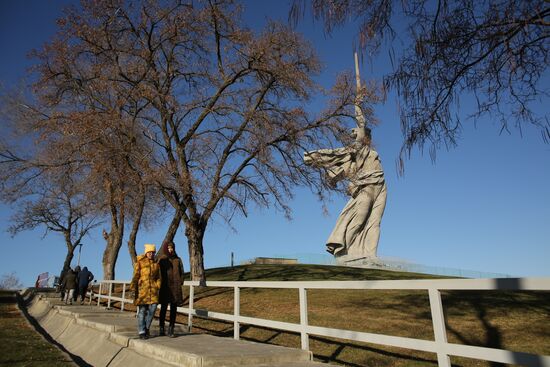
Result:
[306,272]
[518,321]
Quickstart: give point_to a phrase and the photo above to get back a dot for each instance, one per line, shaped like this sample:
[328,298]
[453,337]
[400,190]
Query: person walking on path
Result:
[77,272]
[60,284]
[146,285]
[84,278]
[69,285]
[171,269]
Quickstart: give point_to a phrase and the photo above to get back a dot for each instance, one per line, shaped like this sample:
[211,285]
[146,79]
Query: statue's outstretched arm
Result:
[335,162]
[327,157]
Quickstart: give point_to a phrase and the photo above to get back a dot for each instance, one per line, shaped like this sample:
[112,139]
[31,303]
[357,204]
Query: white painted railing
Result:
[439,345]
[107,285]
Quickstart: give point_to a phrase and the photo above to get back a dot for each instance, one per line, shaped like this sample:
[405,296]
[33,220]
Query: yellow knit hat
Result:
[150,247]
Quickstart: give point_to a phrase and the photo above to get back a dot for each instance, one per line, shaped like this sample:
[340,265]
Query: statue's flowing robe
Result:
[357,229]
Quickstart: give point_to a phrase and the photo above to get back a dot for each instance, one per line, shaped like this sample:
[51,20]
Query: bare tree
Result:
[94,122]
[37,176]
[115,158]
[223,109]
[56,203]
[10,281]
[90,137]
[495,50]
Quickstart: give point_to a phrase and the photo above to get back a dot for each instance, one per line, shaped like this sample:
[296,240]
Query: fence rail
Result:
[438,345]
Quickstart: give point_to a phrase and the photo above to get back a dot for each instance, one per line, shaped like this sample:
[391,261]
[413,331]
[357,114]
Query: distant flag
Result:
[42,280]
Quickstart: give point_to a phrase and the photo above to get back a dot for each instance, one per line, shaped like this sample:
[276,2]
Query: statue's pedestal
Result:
[362,262]
[375,263]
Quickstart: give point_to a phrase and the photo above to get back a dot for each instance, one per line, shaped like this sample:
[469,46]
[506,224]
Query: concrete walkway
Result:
[104,337]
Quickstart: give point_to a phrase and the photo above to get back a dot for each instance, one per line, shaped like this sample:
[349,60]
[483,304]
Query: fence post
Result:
[99,293]
[190,314]
[110,293]
[236,313]
[440,333]
[91,295]
[123,296]
[303,318]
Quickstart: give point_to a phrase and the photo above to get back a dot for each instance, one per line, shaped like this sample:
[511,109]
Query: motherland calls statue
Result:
[357,229]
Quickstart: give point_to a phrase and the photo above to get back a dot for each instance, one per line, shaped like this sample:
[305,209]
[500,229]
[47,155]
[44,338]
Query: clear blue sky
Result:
[484,205]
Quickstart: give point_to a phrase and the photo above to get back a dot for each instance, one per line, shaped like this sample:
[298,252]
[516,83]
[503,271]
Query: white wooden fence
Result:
[439,345]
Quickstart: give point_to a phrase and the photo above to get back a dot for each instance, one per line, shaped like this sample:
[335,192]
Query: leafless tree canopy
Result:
[180,95]
[61,206]
[47,194]
[10,281]
[495,51]
[373,16]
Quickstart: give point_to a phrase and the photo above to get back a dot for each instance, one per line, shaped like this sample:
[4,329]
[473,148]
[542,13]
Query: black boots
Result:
[144,335]
[171,331]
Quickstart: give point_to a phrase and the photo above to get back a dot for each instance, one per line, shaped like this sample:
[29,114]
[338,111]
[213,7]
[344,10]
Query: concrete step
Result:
[209,351]
[104,337]
[297,364]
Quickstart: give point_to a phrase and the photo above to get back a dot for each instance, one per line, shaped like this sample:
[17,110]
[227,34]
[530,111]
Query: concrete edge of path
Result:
[106,337]
[87,342]
[23,298]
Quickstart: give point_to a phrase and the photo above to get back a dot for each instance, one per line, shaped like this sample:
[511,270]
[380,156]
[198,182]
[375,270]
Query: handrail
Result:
[409,284]
[439,345]
[99,295]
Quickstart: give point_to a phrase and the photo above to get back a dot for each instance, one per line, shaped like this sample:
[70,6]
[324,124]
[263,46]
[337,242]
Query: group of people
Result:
[74,283]
[157,280]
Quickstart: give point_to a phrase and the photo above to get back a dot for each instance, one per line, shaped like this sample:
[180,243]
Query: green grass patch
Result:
[20,344]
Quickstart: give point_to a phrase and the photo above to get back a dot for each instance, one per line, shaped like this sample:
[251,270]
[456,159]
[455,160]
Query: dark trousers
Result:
[173,312]
[82,291]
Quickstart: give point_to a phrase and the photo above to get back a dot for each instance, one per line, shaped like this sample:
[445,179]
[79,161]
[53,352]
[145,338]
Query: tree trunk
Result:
[174,225]
[132,248]
[110,255]
[69,256]
[135,226]
[114,242]
[195,234]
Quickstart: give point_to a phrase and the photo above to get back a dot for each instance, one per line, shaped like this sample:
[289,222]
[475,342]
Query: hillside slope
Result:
[518,321]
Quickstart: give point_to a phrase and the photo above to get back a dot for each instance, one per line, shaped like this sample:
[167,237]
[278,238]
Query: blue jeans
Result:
[145,317]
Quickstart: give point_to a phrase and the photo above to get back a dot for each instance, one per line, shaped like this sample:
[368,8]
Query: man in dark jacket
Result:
[60,284]
[84,278]
[69,285]
[75,294]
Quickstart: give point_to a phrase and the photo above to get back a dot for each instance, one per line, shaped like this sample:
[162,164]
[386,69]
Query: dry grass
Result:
[20,345]
[518,321]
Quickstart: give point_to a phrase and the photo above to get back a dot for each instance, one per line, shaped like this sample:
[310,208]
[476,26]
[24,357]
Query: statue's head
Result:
[361,134]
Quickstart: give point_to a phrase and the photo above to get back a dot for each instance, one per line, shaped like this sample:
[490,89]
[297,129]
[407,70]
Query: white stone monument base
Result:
[353,260]
[367,263]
